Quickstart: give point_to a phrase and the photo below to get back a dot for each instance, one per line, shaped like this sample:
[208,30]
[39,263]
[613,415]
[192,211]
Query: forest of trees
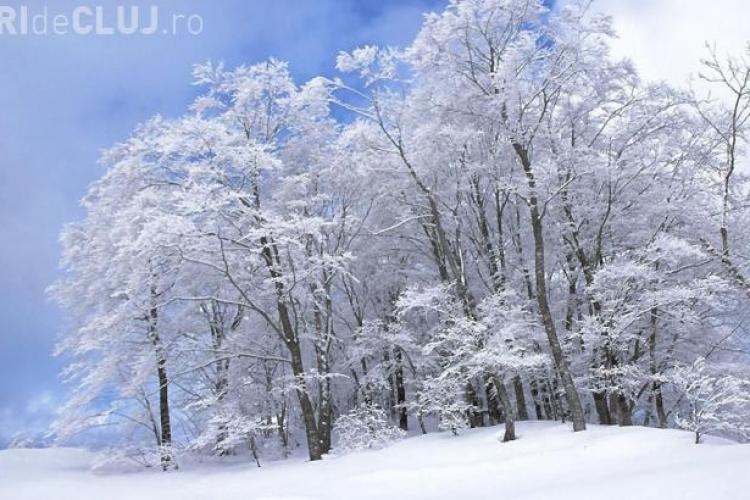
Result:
[499,222]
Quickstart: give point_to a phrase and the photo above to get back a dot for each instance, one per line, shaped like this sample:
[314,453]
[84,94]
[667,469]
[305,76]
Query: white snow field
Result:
[547,462]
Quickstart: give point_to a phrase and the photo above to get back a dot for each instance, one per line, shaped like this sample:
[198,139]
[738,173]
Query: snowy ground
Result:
[548,461]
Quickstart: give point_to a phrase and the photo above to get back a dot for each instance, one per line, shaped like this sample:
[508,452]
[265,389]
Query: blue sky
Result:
[64,98]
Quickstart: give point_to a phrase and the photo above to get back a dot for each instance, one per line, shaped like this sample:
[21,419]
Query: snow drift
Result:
[548,461]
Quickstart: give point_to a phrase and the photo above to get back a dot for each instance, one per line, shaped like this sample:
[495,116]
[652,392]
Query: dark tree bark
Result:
[391,393]
[291,341]
[502,395]
[475,417]
[602,409]
[561,362]
[325,409]
[403,419]
[556,403]
[523,412]
[535,397]
[494,407]
[323,317]
[282,428]
[167,461]
[587,265]
[625,411]
[308,411]
[661,414]
[165,436]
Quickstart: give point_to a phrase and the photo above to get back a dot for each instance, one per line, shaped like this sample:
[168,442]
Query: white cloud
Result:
[666,38]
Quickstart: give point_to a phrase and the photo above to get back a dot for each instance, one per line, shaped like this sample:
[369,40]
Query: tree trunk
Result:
[623,409]
[165,437]
[661,415]
[602,410]
[270,255]
[494,407]
[325,410]
[502,395]
[561,362]
[167,462]
[308,411]
[536,399]
[391,393]
[282,429]
[403,418]
[420,420]
[325,417]
[558,406]
[523,412]
[221,385]
[475,417]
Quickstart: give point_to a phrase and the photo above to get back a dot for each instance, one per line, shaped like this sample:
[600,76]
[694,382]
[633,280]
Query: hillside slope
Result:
[548,461]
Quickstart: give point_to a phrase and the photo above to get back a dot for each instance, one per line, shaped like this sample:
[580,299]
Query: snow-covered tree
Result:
[713,402]
[499,222]
[365,428]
